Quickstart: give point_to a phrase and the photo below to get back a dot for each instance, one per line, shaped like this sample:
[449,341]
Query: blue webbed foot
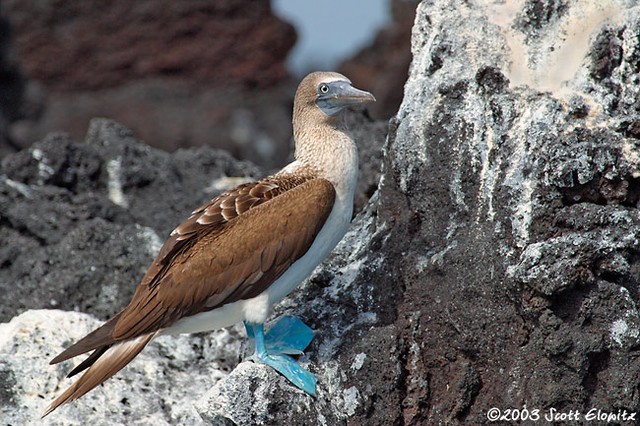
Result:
[289,368]
[288,335]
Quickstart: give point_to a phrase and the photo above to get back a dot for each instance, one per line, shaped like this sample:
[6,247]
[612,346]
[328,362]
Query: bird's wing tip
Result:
[47,410]
[106,364]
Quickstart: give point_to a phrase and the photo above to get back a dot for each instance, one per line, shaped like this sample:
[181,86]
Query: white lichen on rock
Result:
[358,361]
[114,184]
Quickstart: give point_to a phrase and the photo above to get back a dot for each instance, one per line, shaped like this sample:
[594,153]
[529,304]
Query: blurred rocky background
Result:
[202,96]
[179,74]
[494,261]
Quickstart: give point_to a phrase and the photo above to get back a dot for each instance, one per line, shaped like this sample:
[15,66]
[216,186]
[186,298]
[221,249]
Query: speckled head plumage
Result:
[324,94]
[320,98]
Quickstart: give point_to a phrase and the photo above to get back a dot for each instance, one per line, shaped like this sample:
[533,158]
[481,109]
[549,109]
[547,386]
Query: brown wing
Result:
[209,261]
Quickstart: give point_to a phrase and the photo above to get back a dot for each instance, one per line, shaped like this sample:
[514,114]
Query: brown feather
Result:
[89,361]
[91,341]
[207,263]
[112,361]
[221,258]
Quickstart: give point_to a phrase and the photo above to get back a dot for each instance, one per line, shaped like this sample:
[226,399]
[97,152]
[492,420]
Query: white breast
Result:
[257,309]
[330,234]
[339,163]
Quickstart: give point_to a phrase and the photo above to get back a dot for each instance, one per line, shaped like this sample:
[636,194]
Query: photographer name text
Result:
[554,415]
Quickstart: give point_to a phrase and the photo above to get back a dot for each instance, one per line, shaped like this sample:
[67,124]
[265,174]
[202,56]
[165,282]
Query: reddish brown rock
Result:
[251,125]
[68,46]
[12,88]
[180,74]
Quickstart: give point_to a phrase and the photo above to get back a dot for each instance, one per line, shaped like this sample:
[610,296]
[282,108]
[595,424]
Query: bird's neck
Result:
[332,154]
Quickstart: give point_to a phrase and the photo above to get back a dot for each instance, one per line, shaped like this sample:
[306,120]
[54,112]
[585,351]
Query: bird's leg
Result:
[282,363]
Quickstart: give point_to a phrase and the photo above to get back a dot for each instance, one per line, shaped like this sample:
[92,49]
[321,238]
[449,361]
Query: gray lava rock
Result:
[158,387]
[80,223]
[497,263]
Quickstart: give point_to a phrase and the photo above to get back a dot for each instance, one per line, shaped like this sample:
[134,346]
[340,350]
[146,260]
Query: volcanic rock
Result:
[496,264]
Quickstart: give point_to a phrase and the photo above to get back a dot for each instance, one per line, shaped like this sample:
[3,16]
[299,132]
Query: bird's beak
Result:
[342,95]
[349,95]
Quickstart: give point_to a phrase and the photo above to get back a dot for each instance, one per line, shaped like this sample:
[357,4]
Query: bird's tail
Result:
[105,366]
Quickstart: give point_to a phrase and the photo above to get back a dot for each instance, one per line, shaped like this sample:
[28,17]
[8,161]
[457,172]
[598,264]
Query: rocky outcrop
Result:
[80,224]
[179,75]
[12,88]
[71,48]
[520,199]
[494,268]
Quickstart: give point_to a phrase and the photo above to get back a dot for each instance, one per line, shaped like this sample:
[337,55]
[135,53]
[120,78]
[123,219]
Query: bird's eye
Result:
[324,89]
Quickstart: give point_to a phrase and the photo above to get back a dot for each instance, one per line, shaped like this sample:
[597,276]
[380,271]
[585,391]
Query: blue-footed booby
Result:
[245,250]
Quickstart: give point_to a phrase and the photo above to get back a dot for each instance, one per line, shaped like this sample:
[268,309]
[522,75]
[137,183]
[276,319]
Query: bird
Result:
[245,250]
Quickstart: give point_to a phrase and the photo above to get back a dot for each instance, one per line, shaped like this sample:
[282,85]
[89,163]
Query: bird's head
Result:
[327,93]
[316,109]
